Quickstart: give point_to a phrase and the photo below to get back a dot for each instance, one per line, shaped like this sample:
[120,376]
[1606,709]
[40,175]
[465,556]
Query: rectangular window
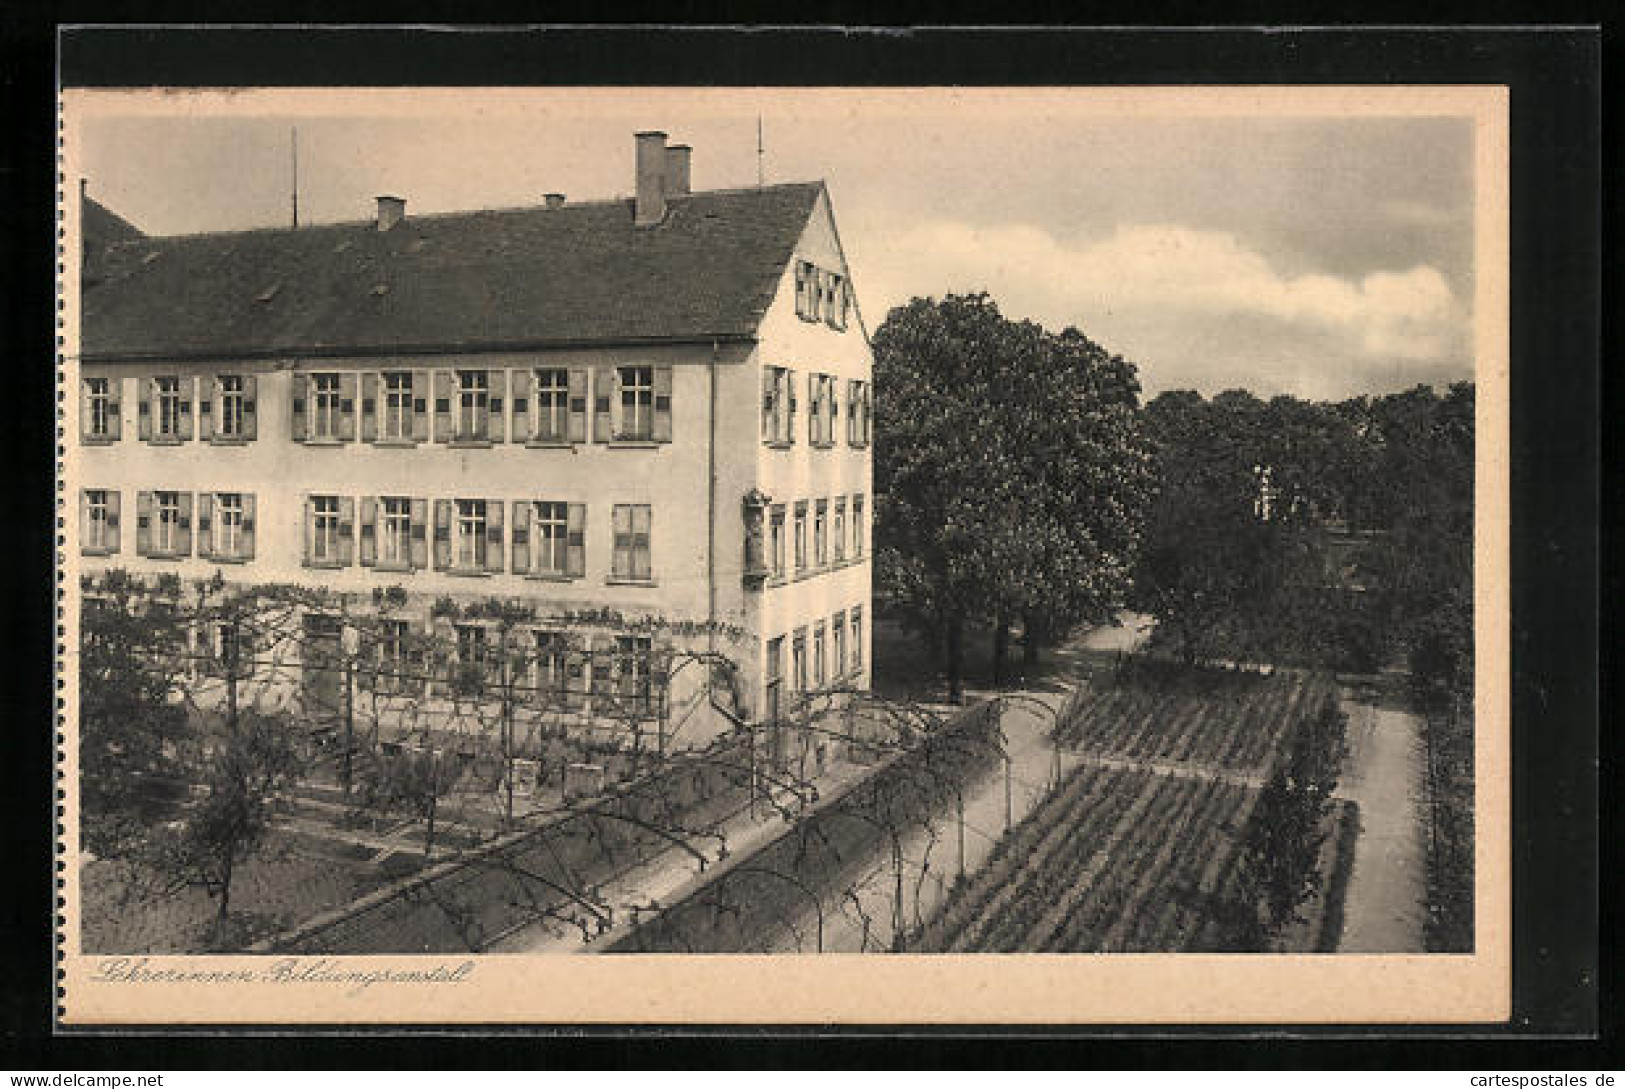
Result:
[169,522]
[776,540]
[471,534]
[472,659]
[473,404]
[98,393]
[857,638]
[397,421]
[820,533]
[324,529]
[325,400]
[637,403]
[169,407]
[838,533]
[98,525]
[552,419]
[548,672]
[395,535]
[228,524]
[394,665]
[804,289]
[633,663]
[801,537]
[551,550]
[775,680]
[857,527]
[819,676]
[230,425]
[632,552]
[838,626]
[798,661]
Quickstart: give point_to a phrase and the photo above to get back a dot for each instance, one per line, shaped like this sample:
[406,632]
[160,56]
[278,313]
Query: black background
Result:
[1557,103]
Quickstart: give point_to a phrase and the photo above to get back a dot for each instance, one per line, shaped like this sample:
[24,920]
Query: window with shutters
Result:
[776,397]
[837,627]
[232,396]
[857,637]
[820,678]
[395,531]
[857,527]
[326,405]
[804,292]
[839,302]
[473,660]
[838,530]
[471,534]
[631,561]
[98,521]
[168,538]
[801,537]
[397,416]
[324,529]
[798,661]
[821,533]
[99,404]
[548,674]
[552,418]
[634,657]
[168,389]
[394,664]
[473,405]
[551,555]
[774,687]
[637,403]
[228,525]
[776,540]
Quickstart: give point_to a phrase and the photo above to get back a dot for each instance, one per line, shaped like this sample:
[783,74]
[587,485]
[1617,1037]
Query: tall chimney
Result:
[391,210]
[677,160]
[650,206]
[553,200]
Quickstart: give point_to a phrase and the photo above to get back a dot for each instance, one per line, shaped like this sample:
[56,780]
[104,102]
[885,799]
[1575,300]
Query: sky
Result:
[1278,251]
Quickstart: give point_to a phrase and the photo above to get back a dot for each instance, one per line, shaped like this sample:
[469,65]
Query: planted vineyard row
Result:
[1117,860]
[1210,717]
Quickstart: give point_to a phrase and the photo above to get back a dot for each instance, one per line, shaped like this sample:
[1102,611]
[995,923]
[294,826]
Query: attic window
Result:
[269,293]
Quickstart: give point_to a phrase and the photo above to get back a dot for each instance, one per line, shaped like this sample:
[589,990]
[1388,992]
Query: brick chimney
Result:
[391,210]
[677,160]
[553,200]
[650,206]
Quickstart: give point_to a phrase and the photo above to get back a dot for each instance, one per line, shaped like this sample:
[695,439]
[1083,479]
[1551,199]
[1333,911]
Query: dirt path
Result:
[1383,912]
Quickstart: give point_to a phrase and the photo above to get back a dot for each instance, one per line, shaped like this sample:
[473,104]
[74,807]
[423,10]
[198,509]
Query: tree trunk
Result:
[1001,650]
[956,654]
[225,898]
[428,832]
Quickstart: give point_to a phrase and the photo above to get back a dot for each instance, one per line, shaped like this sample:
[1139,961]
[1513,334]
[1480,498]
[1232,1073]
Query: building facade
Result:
[655,412]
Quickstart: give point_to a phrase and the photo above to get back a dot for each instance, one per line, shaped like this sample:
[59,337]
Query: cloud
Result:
[1172,275]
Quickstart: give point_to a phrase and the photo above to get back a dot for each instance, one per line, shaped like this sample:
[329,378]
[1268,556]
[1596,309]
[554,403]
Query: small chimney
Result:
[650,206]
[677,160]
[391,210]
[554,200]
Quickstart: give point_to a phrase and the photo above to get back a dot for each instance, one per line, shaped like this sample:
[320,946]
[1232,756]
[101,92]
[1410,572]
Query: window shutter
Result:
[442,534]
[420,406]
[84,408]
[205,516]
[523,429]
[493,535]
[497,426]
[251,427]
[851,412]
[208,405]
[602,381]
[113,532]
[144,409]
[578,404]
[185,546]
[790,418]
[768,408]
[143,523]
[867,426]
[183,429]
[812,408]
[248,526]
[420,533]
[662,416]
[347,386]
[115,402]
[443,384]
[642,531]
[301,400]
[84,518]
[369,407]
[310,529]
[576,529]
[346,528]
[369,530]
[521,537]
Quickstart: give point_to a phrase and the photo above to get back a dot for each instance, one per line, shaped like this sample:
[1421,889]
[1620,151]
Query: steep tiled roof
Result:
[578,274]
[102,226]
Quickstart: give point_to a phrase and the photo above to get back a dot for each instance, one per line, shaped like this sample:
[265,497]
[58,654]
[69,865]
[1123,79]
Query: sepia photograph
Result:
[923,527]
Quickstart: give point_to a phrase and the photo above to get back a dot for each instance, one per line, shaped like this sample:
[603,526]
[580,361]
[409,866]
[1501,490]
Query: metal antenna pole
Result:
[759,167]
[296,179]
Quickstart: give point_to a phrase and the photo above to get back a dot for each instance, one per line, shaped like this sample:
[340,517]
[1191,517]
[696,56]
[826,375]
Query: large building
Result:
[653,410]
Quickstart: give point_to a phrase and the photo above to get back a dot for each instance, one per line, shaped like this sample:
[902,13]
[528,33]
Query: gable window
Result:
[839,531]
[778,397]
[820,533]
[397,406]
[395,541]
[776,540]
[169,406]
[471,534]
[838,302]
[552,405]
[774,687]
[631,560]
[98,408]
[324,529]
[473,404]
[801,536]
[637,403]
[805,302]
